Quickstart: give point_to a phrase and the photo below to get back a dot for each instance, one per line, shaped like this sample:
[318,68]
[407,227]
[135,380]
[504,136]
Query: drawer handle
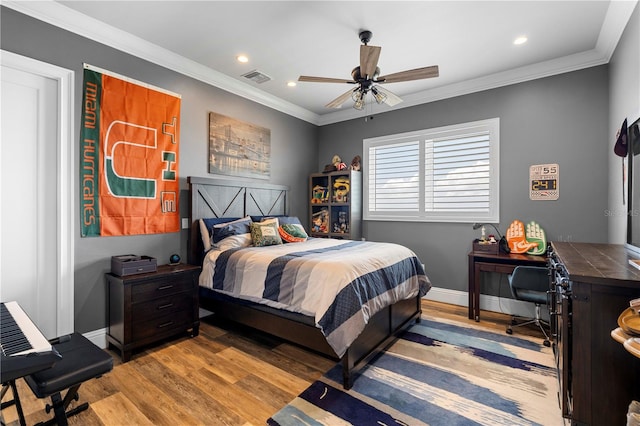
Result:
[168,305]
[166,324]
[165,287]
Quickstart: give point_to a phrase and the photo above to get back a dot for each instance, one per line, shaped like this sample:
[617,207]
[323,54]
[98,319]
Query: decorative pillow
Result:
[269,220]
[292,233]
[235,241]
[206,229]
[265,233]
[224,230]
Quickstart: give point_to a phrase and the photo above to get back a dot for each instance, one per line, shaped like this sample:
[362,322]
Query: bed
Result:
[253,285]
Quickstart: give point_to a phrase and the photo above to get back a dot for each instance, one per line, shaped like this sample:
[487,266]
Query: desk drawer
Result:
[505,269]
[494,267]
[161,288]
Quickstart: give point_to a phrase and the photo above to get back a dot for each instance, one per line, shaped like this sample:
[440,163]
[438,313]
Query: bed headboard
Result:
[226,198]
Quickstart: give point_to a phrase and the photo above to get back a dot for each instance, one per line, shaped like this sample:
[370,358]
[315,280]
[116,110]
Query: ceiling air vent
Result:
[256,76]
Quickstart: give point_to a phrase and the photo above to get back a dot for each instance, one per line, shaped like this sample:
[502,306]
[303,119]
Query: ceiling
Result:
[470,41]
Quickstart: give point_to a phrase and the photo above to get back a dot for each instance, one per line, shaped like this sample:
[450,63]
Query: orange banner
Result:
[130,157]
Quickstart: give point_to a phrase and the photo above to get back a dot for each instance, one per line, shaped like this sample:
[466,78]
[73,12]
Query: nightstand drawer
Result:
[161,288]
[163,324]
[158,307]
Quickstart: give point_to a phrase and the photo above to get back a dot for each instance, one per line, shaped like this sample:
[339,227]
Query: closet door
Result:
[36,241]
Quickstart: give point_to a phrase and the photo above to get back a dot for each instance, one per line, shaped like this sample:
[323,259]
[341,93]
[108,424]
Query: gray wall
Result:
[624,92]
[293,143]
[560,119]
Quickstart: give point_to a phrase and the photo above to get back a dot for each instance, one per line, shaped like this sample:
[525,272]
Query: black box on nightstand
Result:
[130,264]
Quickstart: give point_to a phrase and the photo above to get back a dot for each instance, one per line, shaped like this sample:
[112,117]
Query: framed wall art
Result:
[238,148]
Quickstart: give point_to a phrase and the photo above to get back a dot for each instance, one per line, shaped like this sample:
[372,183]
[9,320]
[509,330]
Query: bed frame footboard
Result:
[381,331]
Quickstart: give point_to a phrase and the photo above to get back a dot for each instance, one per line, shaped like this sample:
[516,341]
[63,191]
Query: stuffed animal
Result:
[337,162]
[341,190]
[355,163]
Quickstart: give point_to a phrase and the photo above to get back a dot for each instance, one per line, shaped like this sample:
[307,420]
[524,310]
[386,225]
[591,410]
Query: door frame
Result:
[64,277]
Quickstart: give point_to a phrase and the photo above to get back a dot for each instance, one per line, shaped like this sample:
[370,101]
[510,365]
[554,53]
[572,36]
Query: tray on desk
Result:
[492,248]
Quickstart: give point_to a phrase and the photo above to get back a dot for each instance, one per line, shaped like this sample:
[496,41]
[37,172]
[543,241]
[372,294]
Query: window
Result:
[447,174]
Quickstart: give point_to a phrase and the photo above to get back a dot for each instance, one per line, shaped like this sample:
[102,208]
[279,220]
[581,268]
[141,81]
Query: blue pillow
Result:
[289,220]
[206,229]
[261,218]
[211,222]
[227,229]
[282,219]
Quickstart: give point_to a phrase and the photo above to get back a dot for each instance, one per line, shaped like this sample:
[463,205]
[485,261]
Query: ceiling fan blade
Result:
[323,79]
[415,74]
[369,56]
[392,99]
[337,102]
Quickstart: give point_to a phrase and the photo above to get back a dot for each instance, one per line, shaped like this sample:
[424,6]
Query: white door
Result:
[36,267]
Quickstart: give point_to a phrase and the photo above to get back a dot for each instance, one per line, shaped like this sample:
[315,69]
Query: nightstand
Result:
[149,307]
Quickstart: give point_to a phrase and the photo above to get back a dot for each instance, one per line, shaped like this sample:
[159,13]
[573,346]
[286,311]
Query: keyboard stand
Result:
[15,401]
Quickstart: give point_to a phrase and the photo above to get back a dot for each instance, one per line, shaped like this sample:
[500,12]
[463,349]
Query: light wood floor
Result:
[225,376]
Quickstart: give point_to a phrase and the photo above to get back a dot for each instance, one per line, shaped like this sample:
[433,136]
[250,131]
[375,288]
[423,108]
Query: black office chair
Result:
[530,284]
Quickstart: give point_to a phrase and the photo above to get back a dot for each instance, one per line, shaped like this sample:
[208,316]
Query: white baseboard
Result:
[97,337]
[453,297]
[488,303]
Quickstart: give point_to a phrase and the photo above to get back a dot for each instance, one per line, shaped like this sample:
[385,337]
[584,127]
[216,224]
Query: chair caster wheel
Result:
[48,408]
[546,343]
[509,331]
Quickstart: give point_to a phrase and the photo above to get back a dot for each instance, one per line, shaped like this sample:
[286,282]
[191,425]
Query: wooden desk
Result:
[488,262]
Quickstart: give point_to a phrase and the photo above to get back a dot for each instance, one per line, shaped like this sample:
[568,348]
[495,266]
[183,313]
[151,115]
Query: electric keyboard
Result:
[23,348]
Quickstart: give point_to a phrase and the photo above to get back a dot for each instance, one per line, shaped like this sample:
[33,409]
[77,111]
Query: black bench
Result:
[81,361]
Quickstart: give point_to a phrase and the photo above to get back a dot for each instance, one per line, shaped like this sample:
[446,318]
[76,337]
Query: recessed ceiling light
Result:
[291,84]
[242,58]
[520,40]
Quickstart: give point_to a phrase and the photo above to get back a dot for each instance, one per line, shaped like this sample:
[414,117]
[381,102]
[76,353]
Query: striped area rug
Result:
[438,373]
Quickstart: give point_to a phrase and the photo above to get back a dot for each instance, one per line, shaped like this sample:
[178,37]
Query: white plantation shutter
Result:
[448,174]
[394,172]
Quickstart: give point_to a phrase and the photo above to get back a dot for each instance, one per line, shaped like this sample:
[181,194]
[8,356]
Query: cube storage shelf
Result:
[336,205]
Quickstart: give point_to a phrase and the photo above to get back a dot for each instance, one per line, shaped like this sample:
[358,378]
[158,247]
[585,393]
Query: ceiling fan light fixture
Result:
[358,98]
[367,73]
[378,95]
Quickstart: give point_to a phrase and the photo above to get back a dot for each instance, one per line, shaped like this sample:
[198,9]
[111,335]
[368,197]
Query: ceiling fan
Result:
[367,78]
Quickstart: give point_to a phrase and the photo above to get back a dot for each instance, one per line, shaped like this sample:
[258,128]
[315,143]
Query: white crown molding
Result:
[56,14]
[618,15]
[68,19]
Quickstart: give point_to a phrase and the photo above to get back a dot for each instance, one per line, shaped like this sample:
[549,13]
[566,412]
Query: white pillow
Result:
[234,241]
[204,234]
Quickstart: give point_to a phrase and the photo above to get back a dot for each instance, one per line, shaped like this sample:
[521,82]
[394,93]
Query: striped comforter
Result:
[341,283]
